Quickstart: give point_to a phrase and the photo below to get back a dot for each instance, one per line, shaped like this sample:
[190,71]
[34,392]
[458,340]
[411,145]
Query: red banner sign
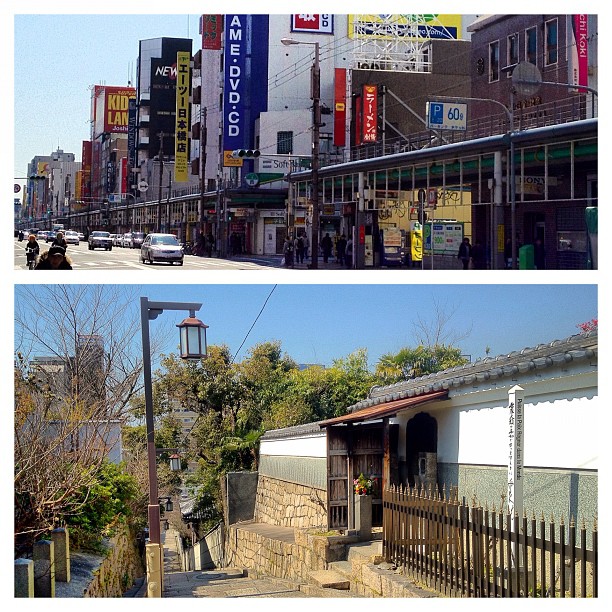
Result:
[340,107]
[211,27]
[370,113]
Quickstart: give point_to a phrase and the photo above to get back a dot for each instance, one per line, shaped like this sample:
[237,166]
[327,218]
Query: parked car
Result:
[161,247]
[100,240]
[71,237]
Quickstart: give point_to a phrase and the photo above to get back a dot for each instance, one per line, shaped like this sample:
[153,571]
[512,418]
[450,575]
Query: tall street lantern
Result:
[315,95]
[194,333]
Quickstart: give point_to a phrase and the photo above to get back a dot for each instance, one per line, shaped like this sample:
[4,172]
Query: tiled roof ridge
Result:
[578,346]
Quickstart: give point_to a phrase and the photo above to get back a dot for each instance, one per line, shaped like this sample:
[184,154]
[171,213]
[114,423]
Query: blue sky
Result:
[319,323]
[58,58]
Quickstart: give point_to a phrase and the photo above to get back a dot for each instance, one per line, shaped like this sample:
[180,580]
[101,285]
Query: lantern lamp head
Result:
[175,463]
[192,338]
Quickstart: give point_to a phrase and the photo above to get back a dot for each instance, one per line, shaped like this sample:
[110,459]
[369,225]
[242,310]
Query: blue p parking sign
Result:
[436,115]
[446,116]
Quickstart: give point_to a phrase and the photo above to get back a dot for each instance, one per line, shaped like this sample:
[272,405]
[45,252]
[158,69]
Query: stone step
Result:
[342,567]
[366,552]
[329,579]
[310,590]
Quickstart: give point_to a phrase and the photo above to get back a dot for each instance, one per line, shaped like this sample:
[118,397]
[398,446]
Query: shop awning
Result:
[387,409]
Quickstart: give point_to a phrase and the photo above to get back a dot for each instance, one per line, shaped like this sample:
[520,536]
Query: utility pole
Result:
[161,174]
[316,125]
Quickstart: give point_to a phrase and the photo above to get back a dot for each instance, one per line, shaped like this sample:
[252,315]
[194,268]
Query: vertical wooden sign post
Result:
[516,451]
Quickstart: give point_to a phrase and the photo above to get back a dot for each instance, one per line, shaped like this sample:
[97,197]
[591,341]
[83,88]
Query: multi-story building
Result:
[51,188]
[109,139]
[554,185]
[153,158]
[246,197]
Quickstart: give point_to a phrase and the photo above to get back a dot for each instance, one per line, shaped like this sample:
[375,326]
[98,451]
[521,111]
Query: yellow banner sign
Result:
[182,126]
[416,245]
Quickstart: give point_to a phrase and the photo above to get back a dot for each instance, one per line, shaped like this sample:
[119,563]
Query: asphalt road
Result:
[129,259]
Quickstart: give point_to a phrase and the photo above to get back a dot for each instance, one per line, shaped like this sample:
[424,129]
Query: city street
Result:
[125,259]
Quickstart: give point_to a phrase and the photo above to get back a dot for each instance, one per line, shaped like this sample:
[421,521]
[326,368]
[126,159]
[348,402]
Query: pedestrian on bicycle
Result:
[54,259]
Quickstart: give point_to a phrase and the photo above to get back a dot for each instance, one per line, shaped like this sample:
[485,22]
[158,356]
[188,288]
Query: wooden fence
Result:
[465,551]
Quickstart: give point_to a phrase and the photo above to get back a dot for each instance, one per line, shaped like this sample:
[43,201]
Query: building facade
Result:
[451,430]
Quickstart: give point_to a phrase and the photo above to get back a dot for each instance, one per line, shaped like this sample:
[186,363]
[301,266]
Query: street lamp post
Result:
[316,125]
[193,346]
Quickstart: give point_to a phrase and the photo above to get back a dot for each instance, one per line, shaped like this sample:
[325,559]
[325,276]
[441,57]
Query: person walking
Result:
[465,253]
[326,246]
[348,256]
[299,249]
[479,256]
[341,250]
[210,244]
[288,248]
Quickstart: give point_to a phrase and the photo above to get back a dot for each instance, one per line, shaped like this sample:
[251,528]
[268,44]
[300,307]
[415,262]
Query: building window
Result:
[552,42]
[284,143]
[531,46]
[494,61]
[512,51]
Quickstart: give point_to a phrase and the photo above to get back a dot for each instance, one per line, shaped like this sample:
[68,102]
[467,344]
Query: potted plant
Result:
[363,505]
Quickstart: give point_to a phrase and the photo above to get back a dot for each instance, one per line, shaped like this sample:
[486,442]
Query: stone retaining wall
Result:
[288,504]
[264,556]
[117,572]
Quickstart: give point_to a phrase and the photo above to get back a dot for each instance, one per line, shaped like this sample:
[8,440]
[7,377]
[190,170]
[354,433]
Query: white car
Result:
[71,237]
[161,247]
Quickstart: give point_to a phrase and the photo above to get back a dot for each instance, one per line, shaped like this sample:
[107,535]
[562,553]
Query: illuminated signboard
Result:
[319,24]
[411,26]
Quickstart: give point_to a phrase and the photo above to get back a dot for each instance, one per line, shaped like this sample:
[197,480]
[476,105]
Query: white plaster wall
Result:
[306,446]
[558,434]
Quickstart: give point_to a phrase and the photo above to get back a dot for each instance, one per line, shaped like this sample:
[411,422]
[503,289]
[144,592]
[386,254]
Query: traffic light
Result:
[246,153]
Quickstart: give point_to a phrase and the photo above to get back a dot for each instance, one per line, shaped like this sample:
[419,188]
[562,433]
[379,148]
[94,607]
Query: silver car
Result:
[161,247]
[71,237]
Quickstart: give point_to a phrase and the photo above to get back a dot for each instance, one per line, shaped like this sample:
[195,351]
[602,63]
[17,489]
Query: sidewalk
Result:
[225,582]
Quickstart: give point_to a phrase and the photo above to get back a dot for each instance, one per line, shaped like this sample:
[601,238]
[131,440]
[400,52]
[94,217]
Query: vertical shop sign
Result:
[340,107]
[234,85]
[182,127]
[370,113]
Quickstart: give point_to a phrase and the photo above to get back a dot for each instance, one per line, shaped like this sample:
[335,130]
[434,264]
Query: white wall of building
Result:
[561,416]
[301,446]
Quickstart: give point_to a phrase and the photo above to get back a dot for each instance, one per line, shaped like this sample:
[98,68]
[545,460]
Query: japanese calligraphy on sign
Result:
[370,113]
[515,449]
[182,126]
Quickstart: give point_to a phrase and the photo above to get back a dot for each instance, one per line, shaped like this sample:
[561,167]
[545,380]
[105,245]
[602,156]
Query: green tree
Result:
[410,363]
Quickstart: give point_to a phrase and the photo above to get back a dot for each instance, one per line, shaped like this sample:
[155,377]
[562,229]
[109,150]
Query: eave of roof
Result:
[387,409]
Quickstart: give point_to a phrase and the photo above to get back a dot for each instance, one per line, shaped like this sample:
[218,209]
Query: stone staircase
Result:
[363,573]
[340,575]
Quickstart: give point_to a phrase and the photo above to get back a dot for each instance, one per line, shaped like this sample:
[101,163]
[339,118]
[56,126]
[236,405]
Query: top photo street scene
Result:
[321,142]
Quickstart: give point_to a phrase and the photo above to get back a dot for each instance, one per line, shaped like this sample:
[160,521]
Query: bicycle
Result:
[31,255]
